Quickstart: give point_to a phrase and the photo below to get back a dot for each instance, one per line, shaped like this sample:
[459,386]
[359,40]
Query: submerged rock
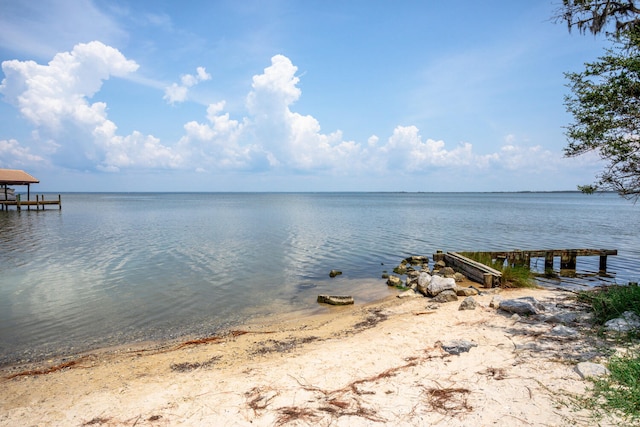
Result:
[335,299]
[334,273]
[394,281]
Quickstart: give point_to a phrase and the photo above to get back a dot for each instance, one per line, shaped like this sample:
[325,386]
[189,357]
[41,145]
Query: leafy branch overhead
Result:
[605,97]
[593,15]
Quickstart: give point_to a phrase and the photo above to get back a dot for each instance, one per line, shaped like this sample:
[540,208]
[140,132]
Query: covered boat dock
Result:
[14,177]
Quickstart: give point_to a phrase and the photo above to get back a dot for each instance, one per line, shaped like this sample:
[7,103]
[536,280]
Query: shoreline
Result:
[376,363]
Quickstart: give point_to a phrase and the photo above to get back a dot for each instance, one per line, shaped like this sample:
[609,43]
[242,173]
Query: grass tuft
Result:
[611,301]
[619,391]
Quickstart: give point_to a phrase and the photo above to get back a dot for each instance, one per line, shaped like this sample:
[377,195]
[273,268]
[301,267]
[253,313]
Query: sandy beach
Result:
[378,364]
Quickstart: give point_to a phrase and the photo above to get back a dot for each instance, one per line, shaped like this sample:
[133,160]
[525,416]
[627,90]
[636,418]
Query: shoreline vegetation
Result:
[399,361]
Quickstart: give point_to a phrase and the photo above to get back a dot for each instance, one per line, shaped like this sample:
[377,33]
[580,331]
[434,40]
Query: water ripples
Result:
[113,268]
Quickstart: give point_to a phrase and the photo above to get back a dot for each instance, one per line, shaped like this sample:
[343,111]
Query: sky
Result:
[284,95]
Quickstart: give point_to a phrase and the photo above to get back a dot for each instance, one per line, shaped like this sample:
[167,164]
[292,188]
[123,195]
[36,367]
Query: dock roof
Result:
[16,177]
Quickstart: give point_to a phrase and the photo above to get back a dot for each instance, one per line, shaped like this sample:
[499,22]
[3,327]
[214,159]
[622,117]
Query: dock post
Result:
[38,203]
[59,202]
[568,260]
[488,280]
[548,261]
[603,263]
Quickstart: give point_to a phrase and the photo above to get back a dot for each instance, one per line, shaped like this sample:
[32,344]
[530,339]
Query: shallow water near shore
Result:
[115,268]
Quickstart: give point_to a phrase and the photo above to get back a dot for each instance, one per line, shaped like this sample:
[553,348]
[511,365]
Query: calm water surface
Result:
[118,268]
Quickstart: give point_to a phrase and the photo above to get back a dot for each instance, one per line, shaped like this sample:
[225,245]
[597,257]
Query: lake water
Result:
[118,268]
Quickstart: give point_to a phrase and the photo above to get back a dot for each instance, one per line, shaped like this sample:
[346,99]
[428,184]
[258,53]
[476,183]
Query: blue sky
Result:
[289,95]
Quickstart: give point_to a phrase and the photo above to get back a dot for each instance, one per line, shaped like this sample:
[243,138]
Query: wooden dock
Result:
[40,203]
[491,277]
[568,257]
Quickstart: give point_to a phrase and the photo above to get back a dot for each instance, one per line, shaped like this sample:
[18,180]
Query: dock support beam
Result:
[603,263]
[548,261]
[568,260]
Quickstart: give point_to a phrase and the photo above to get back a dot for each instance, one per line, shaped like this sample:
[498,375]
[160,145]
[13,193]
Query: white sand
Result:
[326,371]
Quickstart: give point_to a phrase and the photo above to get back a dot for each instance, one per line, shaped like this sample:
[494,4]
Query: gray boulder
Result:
[446,296]
[423,282]
[521,306]
[468,304]
[629,321]
[439,284]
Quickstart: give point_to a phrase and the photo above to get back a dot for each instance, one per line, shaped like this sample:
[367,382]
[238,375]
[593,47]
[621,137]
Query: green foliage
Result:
[610,302]
[605,104]
[619,391]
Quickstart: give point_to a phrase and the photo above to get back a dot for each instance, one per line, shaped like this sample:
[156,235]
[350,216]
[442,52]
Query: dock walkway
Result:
[39,202]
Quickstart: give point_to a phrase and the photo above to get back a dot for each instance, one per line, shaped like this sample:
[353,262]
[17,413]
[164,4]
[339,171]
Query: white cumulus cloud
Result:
[178,92]
[55,98]
[70,131]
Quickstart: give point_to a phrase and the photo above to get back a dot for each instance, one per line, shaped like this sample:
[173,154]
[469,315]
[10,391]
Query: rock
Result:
[466,292]
[446,296]
[590,370]
[394,281]
[439,264]
[629,321]
[385,275]
[334,273]
[459,277]
[335,299]
[468,304]
[563,331]
[417,260]
[438,284]
[521,306]
[515,317]
[409,293]
[457,346]
[423,282]
[447,272]
[563,318]
[401,269]
[495,301]
[412,273]
[412,282]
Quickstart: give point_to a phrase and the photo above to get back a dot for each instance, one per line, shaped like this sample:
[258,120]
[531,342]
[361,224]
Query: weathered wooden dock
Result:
[568,257]
[39,203]
[491,277]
